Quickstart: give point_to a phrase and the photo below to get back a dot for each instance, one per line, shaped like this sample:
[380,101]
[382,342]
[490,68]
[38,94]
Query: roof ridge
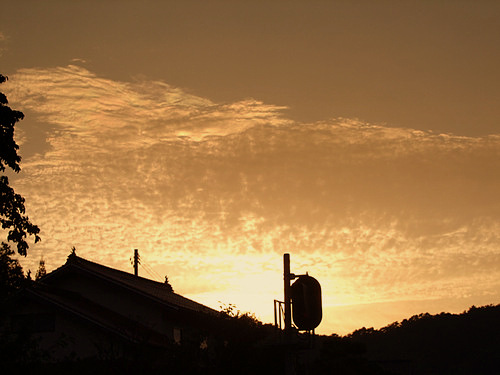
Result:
[124,273]
[80,259]
[129,280]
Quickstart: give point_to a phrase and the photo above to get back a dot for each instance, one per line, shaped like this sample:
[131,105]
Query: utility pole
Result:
[287,276]
[136,262]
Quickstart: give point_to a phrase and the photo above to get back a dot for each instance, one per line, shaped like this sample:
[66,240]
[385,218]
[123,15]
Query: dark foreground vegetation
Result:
[467,343]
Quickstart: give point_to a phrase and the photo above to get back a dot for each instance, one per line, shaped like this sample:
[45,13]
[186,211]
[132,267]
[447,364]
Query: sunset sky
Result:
[361,137]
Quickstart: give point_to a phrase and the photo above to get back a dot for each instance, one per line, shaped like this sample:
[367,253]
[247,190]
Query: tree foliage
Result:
[445,343]
[41,272]
[12,212]
[11,272]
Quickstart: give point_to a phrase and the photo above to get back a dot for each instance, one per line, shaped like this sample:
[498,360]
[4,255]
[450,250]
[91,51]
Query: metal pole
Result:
[136,262]
[275,315]
[288,304]
[287,277]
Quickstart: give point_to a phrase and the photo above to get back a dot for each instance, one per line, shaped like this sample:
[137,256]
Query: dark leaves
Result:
[12,211]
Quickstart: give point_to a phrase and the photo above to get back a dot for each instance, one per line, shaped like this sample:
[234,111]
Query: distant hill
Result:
[466,343]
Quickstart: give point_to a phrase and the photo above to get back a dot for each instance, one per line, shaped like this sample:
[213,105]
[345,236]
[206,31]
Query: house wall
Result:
[58,335]
[124,302]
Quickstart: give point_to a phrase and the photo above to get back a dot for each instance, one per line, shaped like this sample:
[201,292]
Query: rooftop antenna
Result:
[136,262]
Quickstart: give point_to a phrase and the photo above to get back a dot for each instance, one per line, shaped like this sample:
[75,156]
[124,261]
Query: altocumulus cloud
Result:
[379,214]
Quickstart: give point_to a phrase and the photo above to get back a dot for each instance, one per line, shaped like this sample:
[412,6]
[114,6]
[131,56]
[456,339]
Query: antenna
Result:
[136,262]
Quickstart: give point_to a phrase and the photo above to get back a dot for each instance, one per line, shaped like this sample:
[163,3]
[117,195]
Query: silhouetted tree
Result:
[445,343]
[11,272]
[12,211]
[41,272]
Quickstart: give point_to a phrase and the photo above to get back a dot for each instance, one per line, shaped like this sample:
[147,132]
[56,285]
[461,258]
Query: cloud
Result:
[80,102]
[378,214]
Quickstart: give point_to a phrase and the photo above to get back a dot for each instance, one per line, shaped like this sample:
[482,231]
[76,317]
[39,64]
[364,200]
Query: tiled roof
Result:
[151,289]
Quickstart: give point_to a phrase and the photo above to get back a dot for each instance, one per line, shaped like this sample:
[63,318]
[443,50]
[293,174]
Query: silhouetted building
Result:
[87,310]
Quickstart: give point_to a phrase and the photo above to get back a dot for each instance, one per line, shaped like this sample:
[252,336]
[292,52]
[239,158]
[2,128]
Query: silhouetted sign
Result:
[306,302]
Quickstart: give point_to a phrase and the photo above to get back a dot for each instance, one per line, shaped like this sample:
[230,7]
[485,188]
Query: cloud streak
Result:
[210,192]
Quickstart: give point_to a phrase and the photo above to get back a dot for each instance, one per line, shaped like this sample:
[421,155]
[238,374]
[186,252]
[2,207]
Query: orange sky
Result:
[363,139]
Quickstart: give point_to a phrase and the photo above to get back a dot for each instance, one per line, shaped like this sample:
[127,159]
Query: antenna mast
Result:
[136,262]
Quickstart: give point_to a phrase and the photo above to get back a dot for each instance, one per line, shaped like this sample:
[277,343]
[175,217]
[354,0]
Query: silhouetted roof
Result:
[148,288]
[73,303]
